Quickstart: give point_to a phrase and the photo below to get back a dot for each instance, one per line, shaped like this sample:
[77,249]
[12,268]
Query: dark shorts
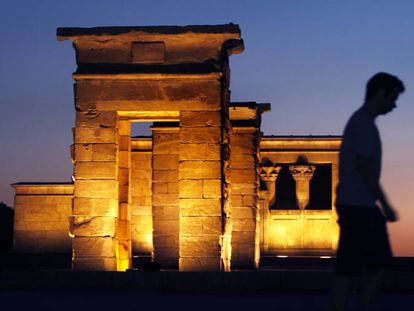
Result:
[363,241]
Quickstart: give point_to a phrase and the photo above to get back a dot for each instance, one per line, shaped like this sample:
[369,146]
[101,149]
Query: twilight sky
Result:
[309,58]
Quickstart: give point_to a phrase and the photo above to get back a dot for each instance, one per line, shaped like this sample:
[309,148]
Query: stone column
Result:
[200,174]
[269,175]
[165,208]
[95,206]
[302,174]
[243,194]
[123,234]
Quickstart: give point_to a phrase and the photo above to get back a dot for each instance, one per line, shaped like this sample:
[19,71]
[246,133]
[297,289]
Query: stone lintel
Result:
[145,73]
[65,33]
[309,143]
[247,110]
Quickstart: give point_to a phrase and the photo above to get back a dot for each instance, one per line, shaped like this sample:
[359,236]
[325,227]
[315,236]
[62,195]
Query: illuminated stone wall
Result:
[189,196]
[300,231]
[41,218]
[165,206]
[244,183]
[162,74]
[141,197]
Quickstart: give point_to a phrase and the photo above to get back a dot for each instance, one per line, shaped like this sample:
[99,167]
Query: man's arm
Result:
[365,166]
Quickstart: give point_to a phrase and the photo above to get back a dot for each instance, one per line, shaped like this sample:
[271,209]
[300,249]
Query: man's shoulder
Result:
[359,122]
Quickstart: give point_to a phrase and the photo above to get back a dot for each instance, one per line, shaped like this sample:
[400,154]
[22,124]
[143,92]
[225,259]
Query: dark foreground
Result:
[277,285]
[92,300]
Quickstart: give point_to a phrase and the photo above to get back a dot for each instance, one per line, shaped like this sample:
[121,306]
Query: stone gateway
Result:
[206,192]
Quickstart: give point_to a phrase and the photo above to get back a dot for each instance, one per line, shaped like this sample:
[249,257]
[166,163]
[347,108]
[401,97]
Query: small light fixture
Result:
[282,256]
[325,257]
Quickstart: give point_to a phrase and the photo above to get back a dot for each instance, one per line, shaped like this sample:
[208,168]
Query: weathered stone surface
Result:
[166,226]
[160,187]
[104,152]
[94,118]
[123,230]
[242,176]
[124,159]
[244,224]
[244,188]
[92,226]
[203,246]
[191,226]
[96,188]
[83,152]
[95,170]
[95,206]
[212,225]
[127,95]
[141,209]
[211,188]
[124,142]
[242,200]
[123,176]
[242,212]
[166,212]
[191,189]
[165,199]
[148,52]
[37,225]
[165,143]
[246,142]
[202,119]
[94,263]
[204,135]
[124,211]
[165,176]
[41,221]
[200,169]
[243,237]
[94,247]
[200,152]
[200,207]
[165,162]
[89,91]
[242,161]
[199,264]
[207,92]
[95,135]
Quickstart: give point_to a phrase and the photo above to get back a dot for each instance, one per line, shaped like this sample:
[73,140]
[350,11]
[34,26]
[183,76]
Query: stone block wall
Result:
[165,198]
[200,176]
[243,197]
[141,202]
[96,198]
[41,218]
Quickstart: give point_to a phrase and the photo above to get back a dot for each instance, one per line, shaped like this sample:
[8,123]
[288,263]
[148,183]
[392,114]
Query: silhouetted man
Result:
[363,244]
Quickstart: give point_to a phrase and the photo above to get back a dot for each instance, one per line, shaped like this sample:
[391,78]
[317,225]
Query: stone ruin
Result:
[206,192]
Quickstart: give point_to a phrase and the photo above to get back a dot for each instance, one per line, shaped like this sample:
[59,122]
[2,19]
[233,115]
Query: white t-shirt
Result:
[361,137]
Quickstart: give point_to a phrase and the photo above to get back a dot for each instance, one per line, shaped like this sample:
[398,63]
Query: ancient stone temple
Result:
[206,192]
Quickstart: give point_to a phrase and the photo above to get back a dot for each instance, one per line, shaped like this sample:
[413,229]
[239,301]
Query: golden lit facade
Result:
[206,192]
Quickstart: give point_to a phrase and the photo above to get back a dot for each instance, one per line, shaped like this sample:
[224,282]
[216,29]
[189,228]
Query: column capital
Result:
[302,172]
[269,173]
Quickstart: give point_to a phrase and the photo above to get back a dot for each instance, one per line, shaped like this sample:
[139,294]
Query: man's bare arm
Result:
[366,168]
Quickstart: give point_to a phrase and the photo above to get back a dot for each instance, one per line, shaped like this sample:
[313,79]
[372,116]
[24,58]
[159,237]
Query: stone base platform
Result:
[190,282]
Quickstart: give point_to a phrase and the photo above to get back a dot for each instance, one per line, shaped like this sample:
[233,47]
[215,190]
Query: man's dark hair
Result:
[383,81]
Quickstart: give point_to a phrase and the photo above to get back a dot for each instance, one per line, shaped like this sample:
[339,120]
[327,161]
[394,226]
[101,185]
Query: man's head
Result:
[382,92]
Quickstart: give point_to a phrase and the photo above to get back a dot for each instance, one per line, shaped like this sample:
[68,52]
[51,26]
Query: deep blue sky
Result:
[309,59]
